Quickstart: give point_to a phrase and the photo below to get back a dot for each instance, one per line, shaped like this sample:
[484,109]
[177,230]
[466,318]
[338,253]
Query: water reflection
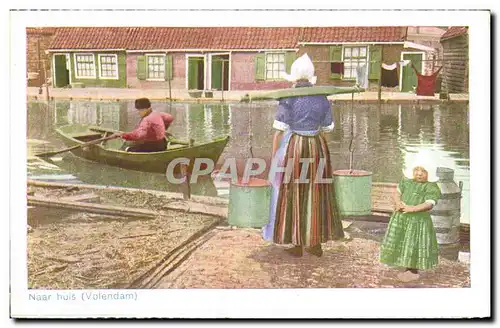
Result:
[93,173]
[384,134]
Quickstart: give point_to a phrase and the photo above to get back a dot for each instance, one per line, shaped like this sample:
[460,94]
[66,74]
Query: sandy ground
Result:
[231,258]
[239,258]
[78,250]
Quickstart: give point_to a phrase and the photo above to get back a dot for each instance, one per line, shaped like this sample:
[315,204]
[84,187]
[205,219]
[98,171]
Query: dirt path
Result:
[239,258]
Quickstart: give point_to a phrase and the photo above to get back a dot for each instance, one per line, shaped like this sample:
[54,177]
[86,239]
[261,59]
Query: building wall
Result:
[428,36]
[455,75]
[243,74]
[179,73]
[320,56]
[36,45]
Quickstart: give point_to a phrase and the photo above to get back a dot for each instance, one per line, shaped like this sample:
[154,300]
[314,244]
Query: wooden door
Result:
[409,78]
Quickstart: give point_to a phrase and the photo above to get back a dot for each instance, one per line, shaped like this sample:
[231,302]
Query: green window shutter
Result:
[141,67]
[169,72]
[375,62]
[260,67]
[289,59]
[193,73]
[335,56]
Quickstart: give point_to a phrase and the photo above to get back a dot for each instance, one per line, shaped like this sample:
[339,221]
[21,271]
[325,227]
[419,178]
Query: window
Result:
[353,57]
[156,67]
[275,64]
[108,66]
[85,65]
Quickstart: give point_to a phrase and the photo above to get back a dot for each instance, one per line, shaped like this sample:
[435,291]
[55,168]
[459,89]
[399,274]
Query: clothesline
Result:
[379,61]
[389,77]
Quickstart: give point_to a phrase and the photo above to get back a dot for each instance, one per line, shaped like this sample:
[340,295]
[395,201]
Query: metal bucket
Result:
[353,192]
[249,203]
[446,214]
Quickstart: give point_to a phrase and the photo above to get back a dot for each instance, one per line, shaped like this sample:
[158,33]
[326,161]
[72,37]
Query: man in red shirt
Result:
[149,136]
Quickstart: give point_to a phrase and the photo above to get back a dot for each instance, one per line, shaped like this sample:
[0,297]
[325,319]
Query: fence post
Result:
[380,76]
[222,80]
[47,97]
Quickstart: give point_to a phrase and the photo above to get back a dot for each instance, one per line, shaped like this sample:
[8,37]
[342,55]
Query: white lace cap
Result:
[302,68]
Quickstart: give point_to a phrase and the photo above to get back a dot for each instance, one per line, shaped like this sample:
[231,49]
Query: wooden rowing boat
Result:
[110,152]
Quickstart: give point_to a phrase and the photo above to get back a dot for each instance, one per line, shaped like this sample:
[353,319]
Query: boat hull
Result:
[156,162]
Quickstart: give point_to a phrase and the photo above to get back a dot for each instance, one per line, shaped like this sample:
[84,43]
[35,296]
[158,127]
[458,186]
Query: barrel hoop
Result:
[442,230]
[444,212]
[455,195]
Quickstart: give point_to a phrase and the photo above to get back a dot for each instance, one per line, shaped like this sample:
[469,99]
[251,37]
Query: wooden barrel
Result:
[446,214]
[353,192]
[249,203]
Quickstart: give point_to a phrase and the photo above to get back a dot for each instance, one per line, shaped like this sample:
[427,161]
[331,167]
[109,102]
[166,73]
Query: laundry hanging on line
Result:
[389,76]
[389,67]
[337,68]
[426,84]
[362,76]
[404,62]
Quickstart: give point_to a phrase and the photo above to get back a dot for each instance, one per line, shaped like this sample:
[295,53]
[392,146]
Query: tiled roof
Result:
[149,38]
[453,32]
[355,34]
[41,30]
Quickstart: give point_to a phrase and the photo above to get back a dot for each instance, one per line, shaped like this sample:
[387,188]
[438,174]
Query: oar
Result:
[52,153]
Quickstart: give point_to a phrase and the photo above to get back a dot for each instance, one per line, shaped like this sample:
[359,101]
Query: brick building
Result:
[216,58]
[37,61]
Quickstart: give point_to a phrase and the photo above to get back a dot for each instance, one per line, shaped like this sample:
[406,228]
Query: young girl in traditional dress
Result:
[304,214]
[410,240]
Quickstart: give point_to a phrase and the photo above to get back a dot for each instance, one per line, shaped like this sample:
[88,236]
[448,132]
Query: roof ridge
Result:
[216,37]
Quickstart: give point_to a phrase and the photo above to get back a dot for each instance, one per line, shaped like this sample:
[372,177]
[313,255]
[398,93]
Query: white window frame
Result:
[75,55]
[279,78]
[99,67]
[209,69]
[164,65]
[68,67]
[367,62]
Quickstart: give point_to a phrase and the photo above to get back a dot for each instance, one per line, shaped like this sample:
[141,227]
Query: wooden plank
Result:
[93,208]
[170,195]
[384,184]
[89,197]
[192,207]
[369,218]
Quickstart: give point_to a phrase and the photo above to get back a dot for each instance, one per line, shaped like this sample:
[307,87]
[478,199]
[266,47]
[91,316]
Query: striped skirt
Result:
[306,211]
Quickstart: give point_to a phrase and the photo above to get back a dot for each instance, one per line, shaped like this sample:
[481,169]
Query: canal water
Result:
[386,137]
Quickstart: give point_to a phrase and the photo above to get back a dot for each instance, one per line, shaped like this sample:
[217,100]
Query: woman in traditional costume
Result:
[303,212]
[410,240]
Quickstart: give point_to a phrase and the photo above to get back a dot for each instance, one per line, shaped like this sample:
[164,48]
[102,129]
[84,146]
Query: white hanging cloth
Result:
[389,67]
[362,76]
[405,62]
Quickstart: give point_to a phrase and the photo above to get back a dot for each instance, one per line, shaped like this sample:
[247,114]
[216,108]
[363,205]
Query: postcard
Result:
[250,164]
